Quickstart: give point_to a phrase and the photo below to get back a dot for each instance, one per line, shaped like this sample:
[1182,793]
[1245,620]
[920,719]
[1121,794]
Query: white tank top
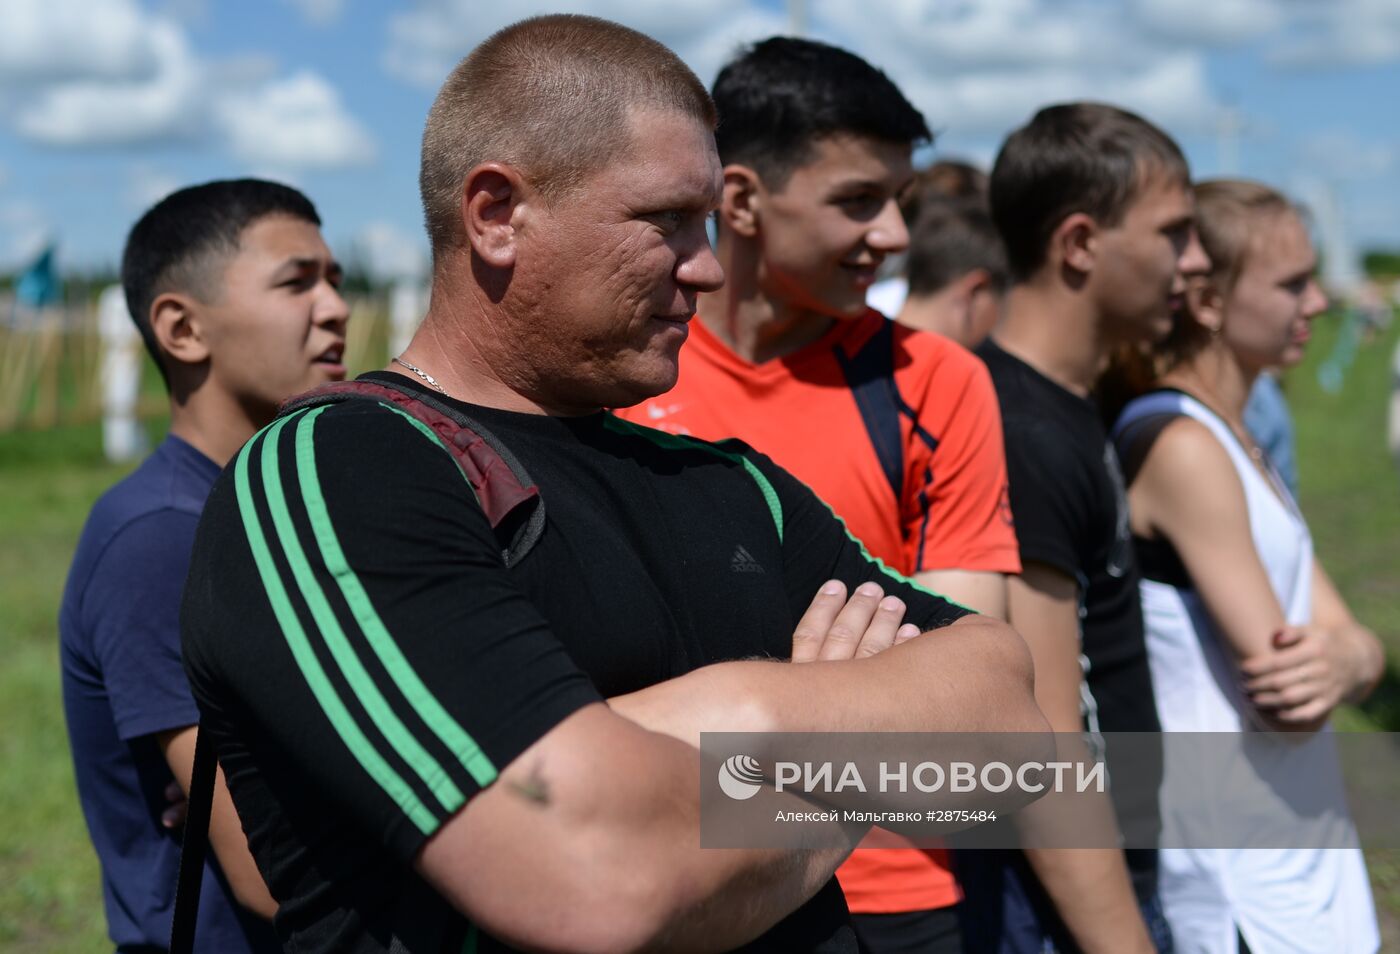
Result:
[1194,675]
[1279,899]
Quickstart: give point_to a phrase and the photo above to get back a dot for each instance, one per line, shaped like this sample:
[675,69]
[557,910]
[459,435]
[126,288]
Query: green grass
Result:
[1350,490]
[50,899]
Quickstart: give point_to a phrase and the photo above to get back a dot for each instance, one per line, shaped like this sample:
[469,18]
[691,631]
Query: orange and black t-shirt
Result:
[900,432]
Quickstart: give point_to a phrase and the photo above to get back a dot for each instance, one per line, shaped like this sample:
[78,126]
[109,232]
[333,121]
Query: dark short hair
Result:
[550,95]
[181,242]
[781,95]
[950,238]
[1075,157]
[944,179]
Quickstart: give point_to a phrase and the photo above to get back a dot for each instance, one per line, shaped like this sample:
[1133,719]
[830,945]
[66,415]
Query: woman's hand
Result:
[1311,671]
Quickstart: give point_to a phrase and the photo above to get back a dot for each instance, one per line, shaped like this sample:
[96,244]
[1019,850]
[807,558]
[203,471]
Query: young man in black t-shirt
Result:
[431,750]
[1094,206]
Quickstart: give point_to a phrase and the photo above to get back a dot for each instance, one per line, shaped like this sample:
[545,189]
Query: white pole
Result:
[797,17]
[120,374]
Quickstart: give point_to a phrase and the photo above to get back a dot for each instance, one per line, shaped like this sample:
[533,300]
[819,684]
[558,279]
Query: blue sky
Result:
[105,105]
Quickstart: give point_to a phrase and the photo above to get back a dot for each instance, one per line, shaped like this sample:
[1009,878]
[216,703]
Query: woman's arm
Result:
[1317,667]
[1189,493]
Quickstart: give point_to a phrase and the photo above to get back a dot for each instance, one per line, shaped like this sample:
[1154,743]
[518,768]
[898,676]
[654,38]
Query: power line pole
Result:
[797,17]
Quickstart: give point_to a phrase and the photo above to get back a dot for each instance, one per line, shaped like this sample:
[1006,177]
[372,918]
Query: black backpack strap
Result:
[195,846]
[1135,439]
[869,373]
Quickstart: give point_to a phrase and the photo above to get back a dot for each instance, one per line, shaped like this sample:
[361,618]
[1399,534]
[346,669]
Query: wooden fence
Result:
[49,364]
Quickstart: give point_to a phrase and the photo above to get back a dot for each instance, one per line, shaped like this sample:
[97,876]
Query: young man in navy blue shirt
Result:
[235,294]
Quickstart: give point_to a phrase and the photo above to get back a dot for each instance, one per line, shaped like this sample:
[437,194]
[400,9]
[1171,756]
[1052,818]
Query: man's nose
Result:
[887,232]
[331,307]
[1193,259]
[700,269]
[1314,300]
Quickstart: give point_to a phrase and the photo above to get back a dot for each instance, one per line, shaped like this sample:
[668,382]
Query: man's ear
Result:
[493,197]
[978,279]
[1074,243]
[175,323]
[1207,305]
[740,208]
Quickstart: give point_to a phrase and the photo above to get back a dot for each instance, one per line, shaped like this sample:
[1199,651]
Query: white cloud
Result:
[426,42]
[975,69]
[1341,33]
[950,38]
[192,12]
[297,122]
[86,112]
[46,40]
[1216,22]
[319,12]
[236,103]
[389,254]
[707,52]
[939,36]
[1172,93]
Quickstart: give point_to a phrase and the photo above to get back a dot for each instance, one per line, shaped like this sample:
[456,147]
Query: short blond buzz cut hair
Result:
[550,95]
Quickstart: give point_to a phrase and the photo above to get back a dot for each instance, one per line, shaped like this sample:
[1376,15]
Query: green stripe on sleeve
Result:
[887,570]
[359,679]
[341,720]
[424,703]
[431,435]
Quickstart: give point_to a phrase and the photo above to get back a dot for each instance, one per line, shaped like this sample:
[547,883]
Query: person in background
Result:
[1244,628]
[1392,439]
[1266,415]
[957,272]
[234,293]
[1270,422]
[945,179]
[1094,206]
[897,431]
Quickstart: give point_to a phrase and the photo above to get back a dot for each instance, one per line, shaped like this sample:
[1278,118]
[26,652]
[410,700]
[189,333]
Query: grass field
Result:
[50,899]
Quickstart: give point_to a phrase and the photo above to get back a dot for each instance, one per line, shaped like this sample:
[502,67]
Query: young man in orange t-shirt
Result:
[898,430]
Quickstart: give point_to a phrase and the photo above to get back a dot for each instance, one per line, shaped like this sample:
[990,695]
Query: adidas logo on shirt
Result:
[743,562]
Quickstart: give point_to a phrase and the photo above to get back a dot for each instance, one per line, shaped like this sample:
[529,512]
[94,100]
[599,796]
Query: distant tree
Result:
[1382,263]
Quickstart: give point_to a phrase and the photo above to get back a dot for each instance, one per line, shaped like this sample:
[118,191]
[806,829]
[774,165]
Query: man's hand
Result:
[1311,671]
[834,628]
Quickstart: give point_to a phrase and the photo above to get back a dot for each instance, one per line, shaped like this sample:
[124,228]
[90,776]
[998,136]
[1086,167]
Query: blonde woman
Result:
[1245,630]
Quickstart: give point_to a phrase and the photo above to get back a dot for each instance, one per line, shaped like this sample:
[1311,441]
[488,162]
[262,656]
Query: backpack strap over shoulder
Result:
[509,498]
[515,510]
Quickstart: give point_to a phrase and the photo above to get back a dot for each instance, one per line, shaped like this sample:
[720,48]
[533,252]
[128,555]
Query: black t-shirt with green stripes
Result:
[366,662]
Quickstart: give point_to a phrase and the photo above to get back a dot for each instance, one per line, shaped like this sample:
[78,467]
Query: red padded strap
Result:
[497,487]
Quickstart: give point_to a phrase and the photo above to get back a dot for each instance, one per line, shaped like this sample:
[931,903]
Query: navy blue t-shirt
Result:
[123,682]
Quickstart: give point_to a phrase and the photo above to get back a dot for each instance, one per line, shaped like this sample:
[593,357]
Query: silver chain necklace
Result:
[422,374]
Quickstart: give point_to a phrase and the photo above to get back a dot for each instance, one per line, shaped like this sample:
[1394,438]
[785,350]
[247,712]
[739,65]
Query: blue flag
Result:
[39,285]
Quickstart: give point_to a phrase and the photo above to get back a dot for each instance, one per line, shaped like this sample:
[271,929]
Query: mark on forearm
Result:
[533,789]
